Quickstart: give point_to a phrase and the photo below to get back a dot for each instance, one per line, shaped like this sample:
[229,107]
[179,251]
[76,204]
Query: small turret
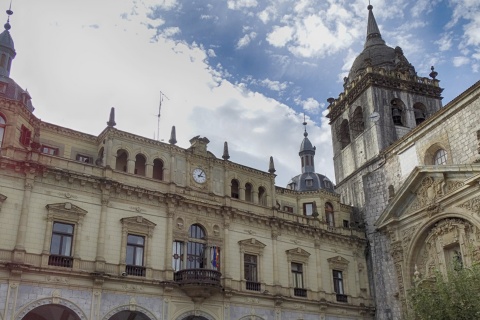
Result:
[7,48]
[225,155]
[111,120]
[173,136]
[271,166]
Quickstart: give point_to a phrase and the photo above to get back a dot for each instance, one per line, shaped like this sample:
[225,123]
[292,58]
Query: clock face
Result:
[199,175]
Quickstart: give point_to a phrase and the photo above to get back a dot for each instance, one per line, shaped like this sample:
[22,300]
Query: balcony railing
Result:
[254,286]
[342,298]
[198,277]
[137,271]
[60,261]
[299,292]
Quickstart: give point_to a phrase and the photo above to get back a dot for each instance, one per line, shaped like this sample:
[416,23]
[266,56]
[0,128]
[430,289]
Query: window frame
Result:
[440,157]
[3,128]
[252,247]
[81,157]
[329,215]
[305,206]
[49,150]
[300,257]
[339,264]
[65,213]
[137,226]
[25,136]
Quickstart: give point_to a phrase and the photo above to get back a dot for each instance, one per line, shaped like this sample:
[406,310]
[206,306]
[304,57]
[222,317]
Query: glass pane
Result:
[1,136]
[130,255]
[55,246]
[63,227]
[133,239]
[177,257]
[2,121]
[308,209]
[139,256]
[66,246]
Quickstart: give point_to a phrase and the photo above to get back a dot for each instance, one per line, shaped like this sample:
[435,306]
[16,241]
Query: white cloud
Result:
[241,4]
[460,61]
[245,40]
[280,36]
[445,42]
[310,105]
[274,85]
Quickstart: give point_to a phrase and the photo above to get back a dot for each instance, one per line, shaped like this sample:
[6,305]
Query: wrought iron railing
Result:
[254,286]
[198,277]
[342,298]
[137,271]
[60,261]
[299,292]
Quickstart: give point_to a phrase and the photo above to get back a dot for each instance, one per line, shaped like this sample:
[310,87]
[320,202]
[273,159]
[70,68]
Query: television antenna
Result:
[162,95]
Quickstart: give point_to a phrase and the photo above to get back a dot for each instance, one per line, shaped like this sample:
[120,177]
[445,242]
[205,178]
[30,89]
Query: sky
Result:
[241,71]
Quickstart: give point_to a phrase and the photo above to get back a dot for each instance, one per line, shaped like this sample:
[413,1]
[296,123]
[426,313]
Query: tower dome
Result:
[309,180]
[377,54]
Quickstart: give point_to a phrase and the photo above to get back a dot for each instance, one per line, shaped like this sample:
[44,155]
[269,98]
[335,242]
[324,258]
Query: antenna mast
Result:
[162,95]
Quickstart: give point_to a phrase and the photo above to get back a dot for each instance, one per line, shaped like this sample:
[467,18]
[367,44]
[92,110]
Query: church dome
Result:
[377,54]
[310,181]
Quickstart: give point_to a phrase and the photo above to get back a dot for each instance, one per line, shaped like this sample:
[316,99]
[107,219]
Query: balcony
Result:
[60,261]
[300,292]
[198,284]
[137,271]
[342,298]
[253,286]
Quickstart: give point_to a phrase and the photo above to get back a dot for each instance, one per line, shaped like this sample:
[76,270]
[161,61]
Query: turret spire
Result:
[173,136]
[373,32]
[7,48]
[226,155]
[111,119]
[307,151]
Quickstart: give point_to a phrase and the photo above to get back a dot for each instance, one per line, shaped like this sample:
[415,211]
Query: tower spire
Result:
[307,151]
[373,32]
[7,48]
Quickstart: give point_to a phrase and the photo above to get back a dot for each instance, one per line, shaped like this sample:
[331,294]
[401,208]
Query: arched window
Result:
[440,157]
[140,164]
[391,192]
[2,129]
[357,125]
[199,254]
[329,214]
[344,134]
[248,192]
[262,196]
[52,312]
[420,113]
[122,158]
[234,189]
[157,169]
[398,112]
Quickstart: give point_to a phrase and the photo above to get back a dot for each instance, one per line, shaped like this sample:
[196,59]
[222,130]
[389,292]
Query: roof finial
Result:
[434,73]
[173,136]
[225,155]
[271,166]
[305,134]
[111,120]
[7,25]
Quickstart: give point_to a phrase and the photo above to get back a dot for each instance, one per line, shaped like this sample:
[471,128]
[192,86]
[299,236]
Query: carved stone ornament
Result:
[338,263]
[66,211]
[138,224]
[428,193]
[472,205]
[298,254]
[252,245]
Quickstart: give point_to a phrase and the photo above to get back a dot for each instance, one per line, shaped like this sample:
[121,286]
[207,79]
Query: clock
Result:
[199,175]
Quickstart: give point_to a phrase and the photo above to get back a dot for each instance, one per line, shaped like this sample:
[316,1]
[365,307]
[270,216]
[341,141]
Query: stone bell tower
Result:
[383,99]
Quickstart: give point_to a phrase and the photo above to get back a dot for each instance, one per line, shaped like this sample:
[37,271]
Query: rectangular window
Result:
[135,252]
[49,150]
[177,259]
[288,209]
[308,208]
[297,277]
[83,158]
[346,224]
[195,255]
[61,245]
[25,136]
[251,272]
[309,183]
[338,286]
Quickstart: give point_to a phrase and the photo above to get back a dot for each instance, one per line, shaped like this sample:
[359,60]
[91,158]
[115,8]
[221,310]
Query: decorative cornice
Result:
[380,77]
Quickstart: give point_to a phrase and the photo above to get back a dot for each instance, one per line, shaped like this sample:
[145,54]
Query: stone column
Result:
[255,196]
[109,158]
[131,166]
[276,281]
[19,251]
[100,256]
[224,254]
[319,263]
[169,241]
[149,170]
[241,190]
